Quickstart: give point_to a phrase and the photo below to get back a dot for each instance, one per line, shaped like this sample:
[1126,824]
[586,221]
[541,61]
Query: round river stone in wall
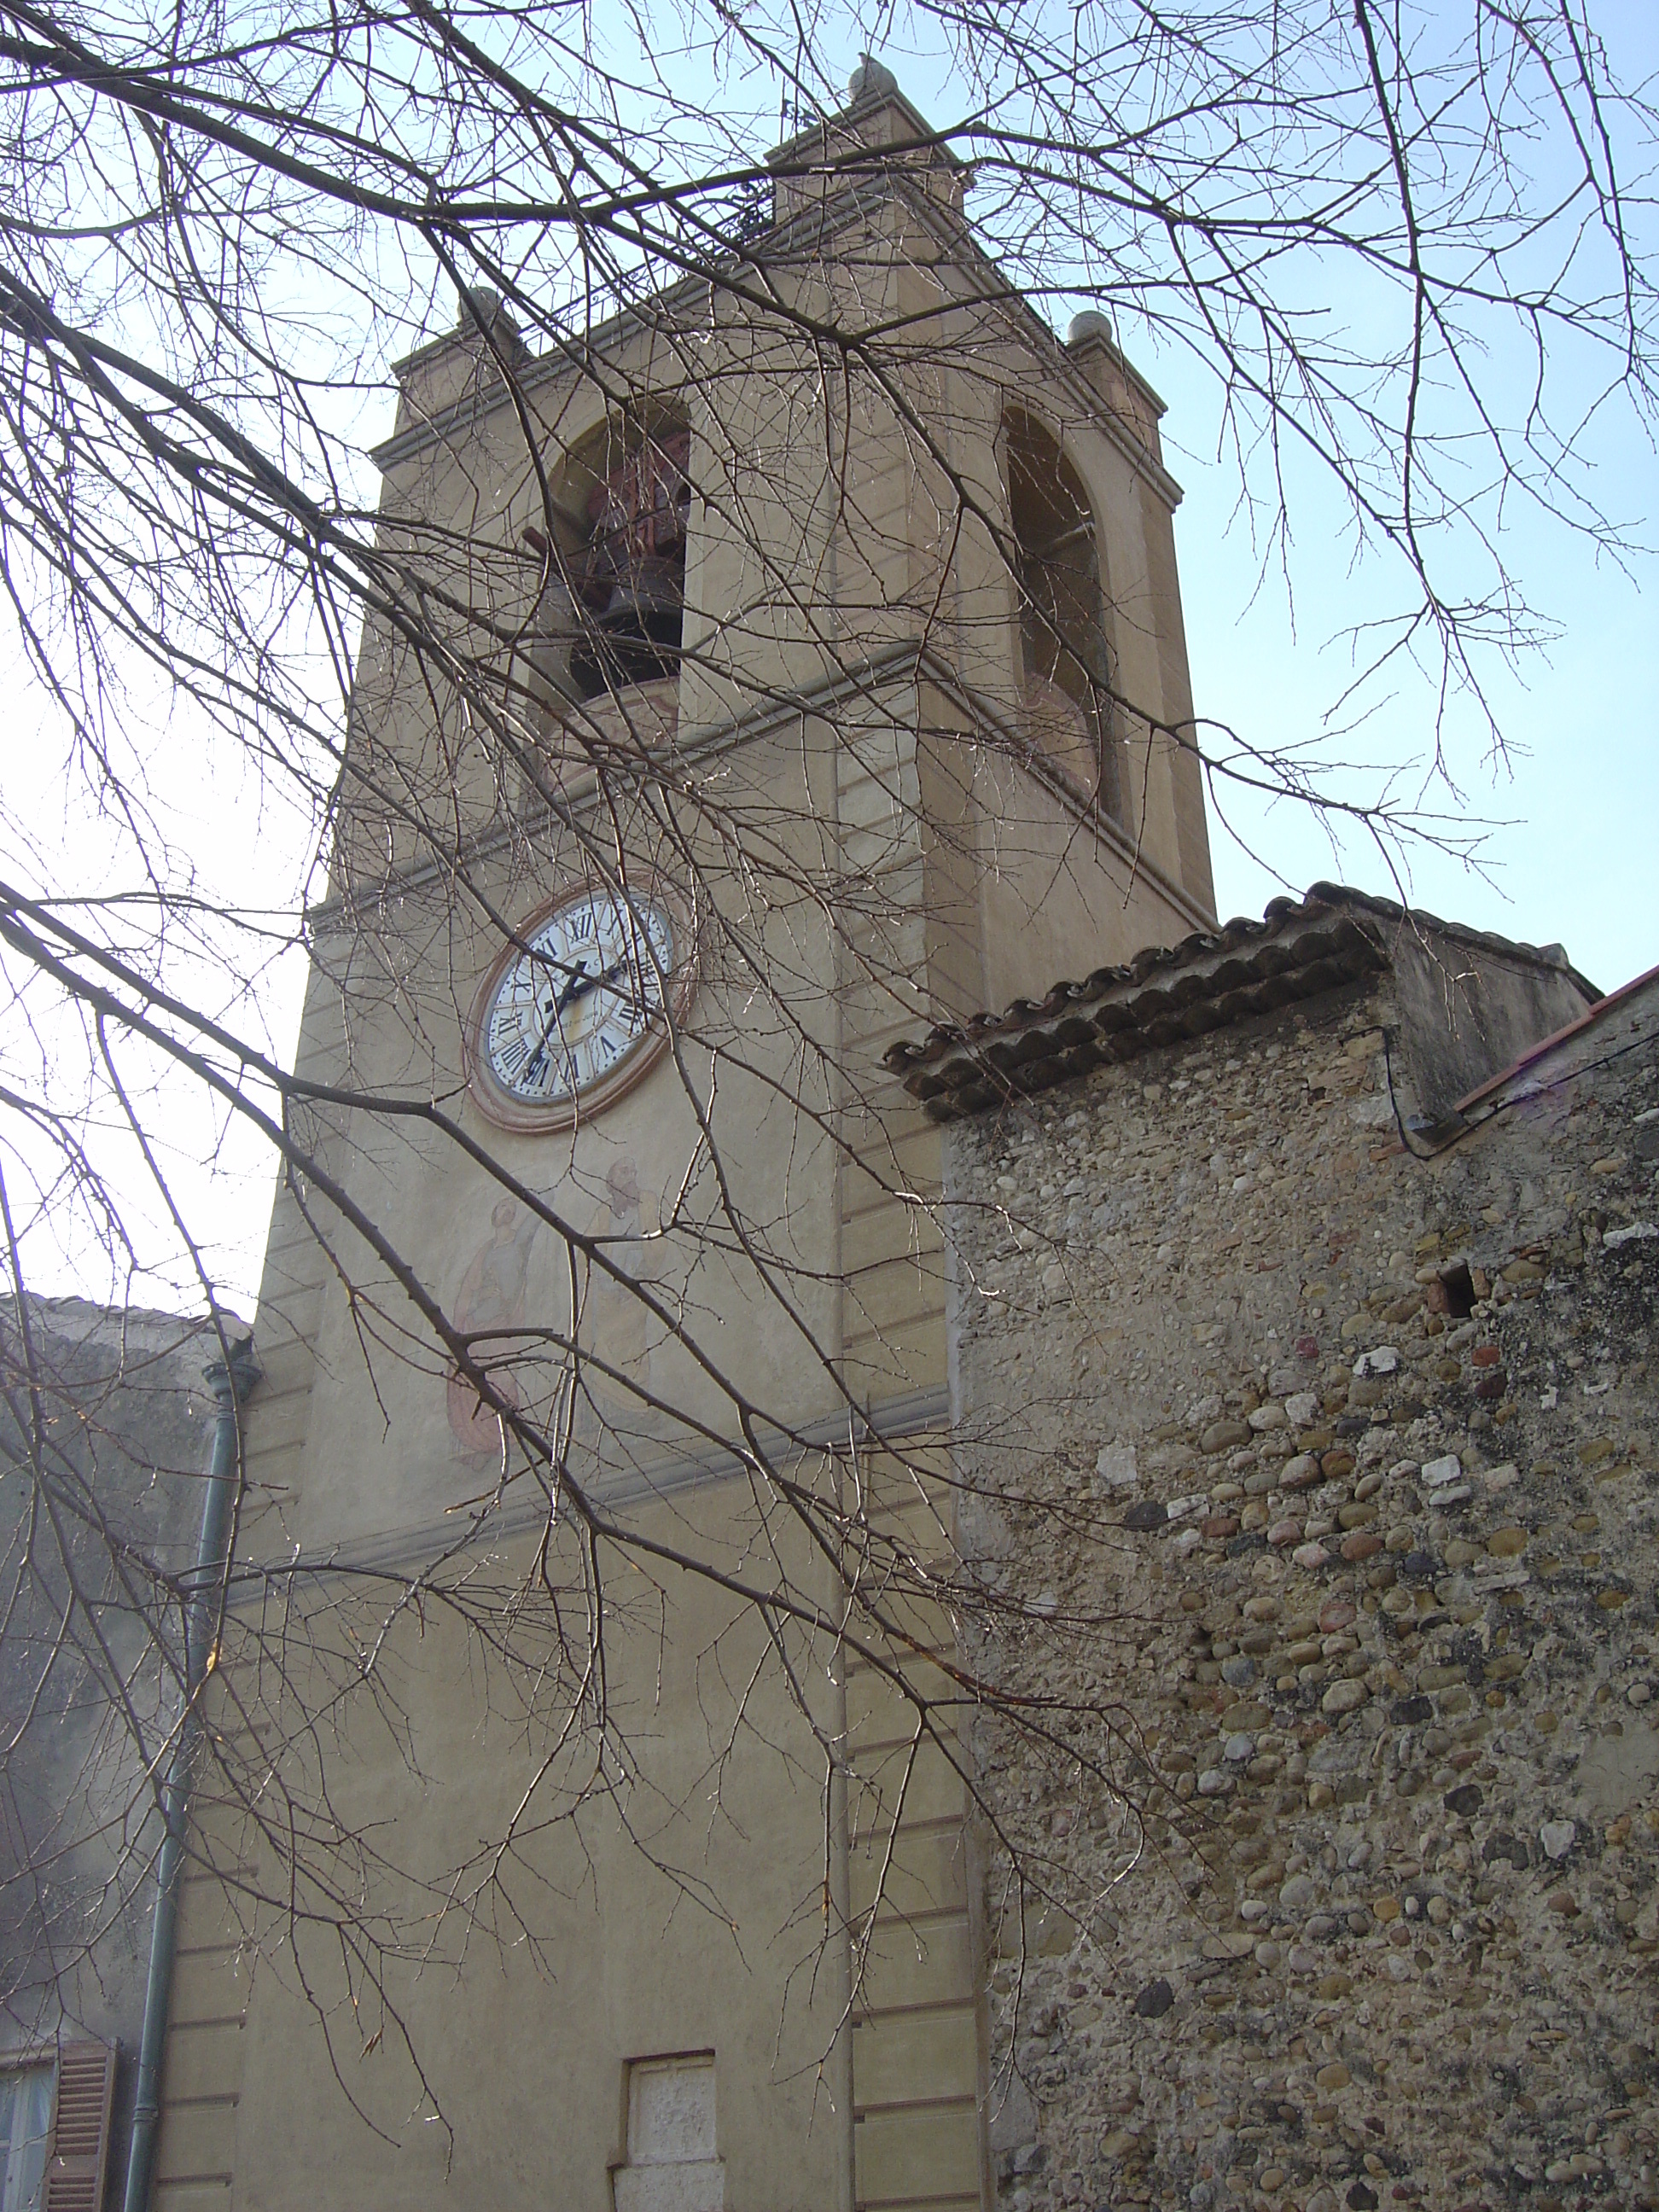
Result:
[1220,1436]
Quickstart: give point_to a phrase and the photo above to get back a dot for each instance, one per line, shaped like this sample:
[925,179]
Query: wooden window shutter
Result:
[79,2134]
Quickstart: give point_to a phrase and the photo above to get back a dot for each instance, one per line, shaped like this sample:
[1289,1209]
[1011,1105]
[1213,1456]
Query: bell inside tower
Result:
[631,575]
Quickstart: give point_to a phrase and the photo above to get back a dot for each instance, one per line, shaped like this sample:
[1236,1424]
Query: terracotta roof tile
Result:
[1208,981]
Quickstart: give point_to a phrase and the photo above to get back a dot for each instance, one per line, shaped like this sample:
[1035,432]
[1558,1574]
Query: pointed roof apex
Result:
[878,128]
[479,308]
[871,80]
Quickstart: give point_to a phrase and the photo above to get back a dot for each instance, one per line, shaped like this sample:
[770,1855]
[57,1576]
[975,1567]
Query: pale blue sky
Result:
[1573,855]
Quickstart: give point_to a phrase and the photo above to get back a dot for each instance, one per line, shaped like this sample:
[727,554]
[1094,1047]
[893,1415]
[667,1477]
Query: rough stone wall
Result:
[1363,1591]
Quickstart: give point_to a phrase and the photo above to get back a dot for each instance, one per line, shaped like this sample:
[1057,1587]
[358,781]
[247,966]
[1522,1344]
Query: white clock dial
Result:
[568,1011]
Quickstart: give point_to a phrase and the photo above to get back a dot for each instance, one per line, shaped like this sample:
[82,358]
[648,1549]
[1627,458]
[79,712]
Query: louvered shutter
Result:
[79,2134]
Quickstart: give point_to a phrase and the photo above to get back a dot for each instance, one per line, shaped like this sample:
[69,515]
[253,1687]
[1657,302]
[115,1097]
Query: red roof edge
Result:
[1586,1020]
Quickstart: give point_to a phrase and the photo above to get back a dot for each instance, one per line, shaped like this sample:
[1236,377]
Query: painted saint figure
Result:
[492,1297]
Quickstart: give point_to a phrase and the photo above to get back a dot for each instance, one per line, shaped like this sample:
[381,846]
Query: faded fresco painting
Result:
[494,1294]
[516,1281]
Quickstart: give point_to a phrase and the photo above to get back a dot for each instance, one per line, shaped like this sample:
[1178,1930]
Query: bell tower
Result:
[791,656]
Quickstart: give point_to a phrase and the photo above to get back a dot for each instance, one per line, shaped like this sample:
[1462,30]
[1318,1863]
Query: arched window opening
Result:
[1065,666]
[629,574]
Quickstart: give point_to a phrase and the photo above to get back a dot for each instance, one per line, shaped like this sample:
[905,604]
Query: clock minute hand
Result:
[581,982]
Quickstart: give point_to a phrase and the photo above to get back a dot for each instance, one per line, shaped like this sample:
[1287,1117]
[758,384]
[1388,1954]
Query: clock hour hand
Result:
[579,984]
[586,983]
[580,980]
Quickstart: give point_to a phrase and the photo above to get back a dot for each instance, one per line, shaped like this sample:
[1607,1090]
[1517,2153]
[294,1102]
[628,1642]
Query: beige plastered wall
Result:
[962,880]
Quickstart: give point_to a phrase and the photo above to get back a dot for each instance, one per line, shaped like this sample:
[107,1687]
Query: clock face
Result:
[576,1009]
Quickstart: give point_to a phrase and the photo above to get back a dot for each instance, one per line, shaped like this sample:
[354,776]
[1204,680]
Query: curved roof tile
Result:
[1209,981]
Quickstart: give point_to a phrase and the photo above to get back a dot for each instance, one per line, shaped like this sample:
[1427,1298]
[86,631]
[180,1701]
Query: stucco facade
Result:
[886,831]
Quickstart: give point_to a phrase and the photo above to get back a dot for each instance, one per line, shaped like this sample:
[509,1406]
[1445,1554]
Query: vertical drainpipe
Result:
[230,1382]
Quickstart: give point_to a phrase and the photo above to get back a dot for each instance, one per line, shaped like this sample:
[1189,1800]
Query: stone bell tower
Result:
[738,716]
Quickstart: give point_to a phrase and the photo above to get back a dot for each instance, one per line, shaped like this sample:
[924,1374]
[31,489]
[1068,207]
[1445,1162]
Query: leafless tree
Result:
[1392,237]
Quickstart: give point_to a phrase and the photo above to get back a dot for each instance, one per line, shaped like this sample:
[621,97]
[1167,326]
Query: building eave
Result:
[1171,993]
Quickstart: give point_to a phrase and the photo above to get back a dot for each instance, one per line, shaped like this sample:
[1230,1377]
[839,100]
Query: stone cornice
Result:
[902,662]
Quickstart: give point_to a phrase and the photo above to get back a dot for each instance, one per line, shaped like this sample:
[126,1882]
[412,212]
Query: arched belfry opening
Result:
[623,508]
[1065,663]
[632,574]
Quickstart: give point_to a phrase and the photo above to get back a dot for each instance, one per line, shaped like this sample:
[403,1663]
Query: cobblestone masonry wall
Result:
[1365,1591]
